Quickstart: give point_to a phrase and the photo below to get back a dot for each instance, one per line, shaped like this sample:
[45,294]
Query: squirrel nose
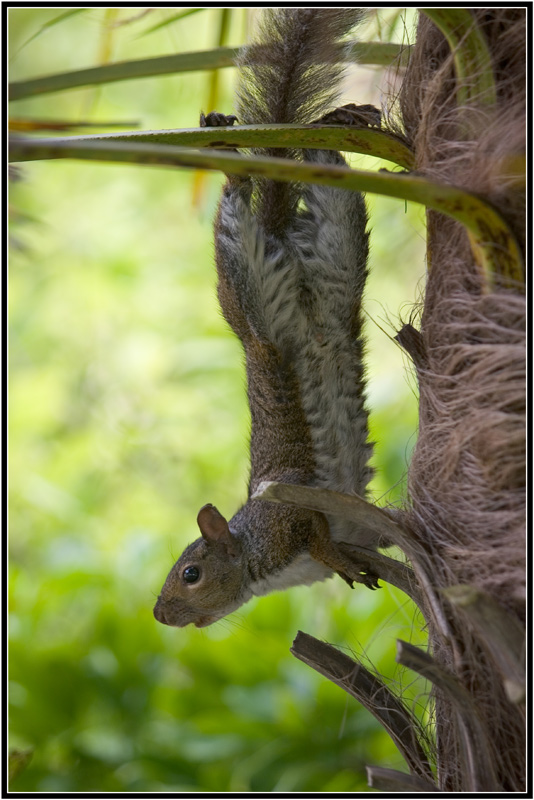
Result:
[159,613]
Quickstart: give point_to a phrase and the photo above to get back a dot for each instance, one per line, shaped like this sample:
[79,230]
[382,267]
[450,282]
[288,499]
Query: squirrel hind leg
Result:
[330,240]
[258,282]
[322,157]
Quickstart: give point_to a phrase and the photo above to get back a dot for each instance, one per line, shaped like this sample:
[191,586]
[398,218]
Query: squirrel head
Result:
[207,581]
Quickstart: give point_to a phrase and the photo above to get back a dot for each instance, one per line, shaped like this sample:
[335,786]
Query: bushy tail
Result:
[293,78]
[297,79]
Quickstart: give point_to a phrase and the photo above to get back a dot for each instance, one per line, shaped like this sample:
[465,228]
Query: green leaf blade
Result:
[218,58]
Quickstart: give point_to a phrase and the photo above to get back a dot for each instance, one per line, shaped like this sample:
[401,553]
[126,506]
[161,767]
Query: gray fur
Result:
[304,296]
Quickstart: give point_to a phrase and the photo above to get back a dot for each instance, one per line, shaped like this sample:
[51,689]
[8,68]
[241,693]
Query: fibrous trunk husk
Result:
[467,476]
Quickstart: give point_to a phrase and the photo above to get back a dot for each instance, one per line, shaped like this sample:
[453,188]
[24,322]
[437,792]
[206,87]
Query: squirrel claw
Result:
[369,580]
[347,579]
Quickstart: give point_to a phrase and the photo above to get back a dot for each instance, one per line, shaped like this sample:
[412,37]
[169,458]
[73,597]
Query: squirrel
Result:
[291,263]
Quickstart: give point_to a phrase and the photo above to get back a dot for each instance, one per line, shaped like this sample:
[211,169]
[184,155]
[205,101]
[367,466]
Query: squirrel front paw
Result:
[216,120]
[332,555]
[364,576]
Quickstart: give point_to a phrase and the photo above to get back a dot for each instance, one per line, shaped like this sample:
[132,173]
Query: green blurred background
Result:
[127,413]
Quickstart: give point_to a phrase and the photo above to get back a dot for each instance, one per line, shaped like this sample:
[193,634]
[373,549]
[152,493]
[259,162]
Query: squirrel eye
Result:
[191,574]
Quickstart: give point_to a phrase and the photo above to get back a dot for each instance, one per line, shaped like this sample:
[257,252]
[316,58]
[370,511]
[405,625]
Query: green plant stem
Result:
[366,141]
[472,59]
[494,245]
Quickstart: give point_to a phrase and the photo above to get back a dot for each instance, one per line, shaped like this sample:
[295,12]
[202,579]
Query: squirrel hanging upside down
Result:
[291,264]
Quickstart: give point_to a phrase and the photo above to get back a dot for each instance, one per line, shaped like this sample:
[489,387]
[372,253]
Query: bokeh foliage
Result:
[127,413]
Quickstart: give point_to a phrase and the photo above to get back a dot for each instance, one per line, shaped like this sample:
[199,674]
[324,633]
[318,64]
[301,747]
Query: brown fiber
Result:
[467,476]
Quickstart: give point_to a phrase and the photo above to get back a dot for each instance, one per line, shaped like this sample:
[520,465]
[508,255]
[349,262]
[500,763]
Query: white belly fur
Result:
[302,571]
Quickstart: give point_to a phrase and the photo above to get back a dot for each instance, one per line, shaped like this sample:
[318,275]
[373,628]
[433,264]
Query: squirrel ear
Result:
[214,529]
